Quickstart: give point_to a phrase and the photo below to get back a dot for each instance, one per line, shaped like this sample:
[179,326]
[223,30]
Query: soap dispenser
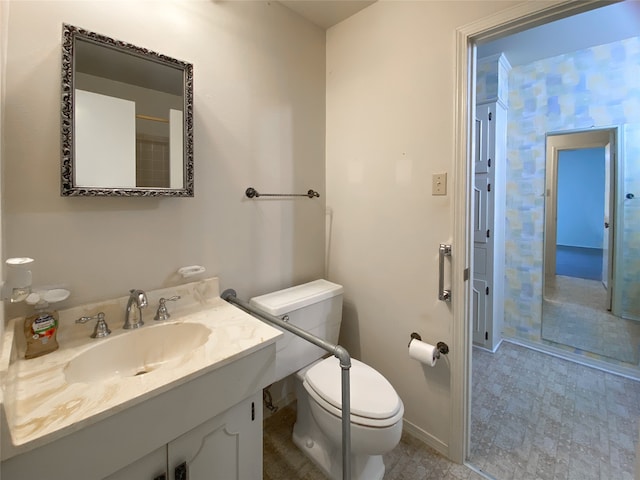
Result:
[18,284]
[41,328]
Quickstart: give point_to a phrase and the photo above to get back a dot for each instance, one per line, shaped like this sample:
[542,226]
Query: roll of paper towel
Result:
[423,352]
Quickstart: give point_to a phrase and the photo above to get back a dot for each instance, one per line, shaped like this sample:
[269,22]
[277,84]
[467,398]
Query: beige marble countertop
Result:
[40,405]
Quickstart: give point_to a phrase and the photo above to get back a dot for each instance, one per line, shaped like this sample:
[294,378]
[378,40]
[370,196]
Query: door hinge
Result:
[486,335]
[487,291]
[490,116]
[253,411]
[488,187]
[489,163]
[488,233]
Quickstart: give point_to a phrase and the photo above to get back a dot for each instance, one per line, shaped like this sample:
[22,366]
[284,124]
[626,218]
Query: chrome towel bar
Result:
[253,193]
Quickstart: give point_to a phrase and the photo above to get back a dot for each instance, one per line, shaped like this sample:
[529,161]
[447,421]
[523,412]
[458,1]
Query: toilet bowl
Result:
[376,409]
[375,420]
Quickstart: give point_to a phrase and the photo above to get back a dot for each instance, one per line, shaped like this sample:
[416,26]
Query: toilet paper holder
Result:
[442,347]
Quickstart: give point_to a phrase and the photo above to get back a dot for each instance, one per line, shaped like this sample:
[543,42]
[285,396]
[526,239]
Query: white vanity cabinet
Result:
[149,399]
[151,466]
[206,422]
[229,447]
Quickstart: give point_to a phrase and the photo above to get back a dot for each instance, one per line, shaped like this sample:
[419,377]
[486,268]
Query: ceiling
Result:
[326,13]
[596,27]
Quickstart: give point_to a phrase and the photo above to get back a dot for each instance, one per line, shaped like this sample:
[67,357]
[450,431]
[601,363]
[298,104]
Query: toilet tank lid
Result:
[293,298]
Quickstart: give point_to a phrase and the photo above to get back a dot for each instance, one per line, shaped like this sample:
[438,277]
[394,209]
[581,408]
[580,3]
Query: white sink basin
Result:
[137,352]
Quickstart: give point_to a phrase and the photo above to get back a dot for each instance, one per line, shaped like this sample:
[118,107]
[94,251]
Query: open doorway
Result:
[579,226]
[526,435]
[582,243]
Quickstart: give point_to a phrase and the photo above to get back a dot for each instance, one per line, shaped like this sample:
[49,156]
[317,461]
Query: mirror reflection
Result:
[584,266]
[127,119]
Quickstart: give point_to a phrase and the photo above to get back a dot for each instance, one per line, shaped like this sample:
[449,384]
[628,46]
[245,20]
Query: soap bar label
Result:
[40,334]
[44,325]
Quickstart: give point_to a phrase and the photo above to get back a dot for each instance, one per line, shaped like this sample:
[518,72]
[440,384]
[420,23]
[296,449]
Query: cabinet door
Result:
[150,467]
[485,138]
[482,209]
[227,447]
[483,226]
[479,312]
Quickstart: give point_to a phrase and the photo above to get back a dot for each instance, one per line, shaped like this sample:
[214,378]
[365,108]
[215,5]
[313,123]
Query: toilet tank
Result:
[315,307]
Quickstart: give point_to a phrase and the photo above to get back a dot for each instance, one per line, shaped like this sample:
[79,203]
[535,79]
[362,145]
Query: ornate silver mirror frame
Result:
[69,174]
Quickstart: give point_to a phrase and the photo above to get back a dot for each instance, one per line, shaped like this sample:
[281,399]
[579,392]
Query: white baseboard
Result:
[495,349]
[426,438]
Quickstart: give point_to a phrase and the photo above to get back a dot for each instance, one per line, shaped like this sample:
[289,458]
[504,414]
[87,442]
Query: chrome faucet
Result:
[137,301]
[101,330]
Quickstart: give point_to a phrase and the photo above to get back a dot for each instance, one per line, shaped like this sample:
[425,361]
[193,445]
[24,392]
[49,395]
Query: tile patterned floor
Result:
[538,417]
[589,293]
[575,314]
[534,417]
[410,460]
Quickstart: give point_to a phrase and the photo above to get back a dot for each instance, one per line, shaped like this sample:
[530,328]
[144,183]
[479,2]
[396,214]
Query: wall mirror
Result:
[127,119]
[590,279]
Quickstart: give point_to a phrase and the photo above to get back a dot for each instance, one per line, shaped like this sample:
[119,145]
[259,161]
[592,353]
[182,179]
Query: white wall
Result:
[3,58]
[390,126]
[259,116]
[259,77]
[4,21]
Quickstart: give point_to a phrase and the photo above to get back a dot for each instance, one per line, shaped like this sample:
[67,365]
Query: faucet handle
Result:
[101,330]
[163,313]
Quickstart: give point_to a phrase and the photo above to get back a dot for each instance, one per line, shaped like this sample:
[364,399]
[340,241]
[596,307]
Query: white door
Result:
[482,221]
[607,223]
[479,312]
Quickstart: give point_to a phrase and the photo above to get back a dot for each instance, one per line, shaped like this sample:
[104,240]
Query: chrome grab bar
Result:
[444,251]
[339,352]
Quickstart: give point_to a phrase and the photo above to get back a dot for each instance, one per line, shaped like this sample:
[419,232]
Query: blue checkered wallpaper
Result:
[596,87]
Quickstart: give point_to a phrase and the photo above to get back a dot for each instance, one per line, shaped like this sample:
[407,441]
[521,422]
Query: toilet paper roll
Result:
[423,352]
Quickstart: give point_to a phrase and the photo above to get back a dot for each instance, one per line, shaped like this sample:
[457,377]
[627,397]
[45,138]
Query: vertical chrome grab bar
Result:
[444,251]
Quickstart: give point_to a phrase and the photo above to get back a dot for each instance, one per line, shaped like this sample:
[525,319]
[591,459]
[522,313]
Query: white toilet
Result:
[376,408]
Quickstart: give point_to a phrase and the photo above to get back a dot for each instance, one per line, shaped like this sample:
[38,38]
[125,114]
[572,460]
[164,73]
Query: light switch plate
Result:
[439,184]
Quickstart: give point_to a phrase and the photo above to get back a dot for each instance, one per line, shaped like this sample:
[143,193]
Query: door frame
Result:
[509,21]
[577,140]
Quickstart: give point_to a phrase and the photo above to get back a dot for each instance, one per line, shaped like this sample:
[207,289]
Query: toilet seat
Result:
[374,402]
